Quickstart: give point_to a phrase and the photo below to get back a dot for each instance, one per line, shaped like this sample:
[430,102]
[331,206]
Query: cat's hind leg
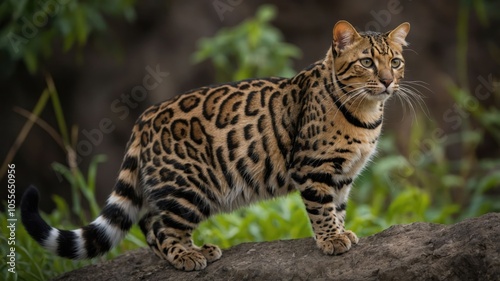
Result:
[174,244]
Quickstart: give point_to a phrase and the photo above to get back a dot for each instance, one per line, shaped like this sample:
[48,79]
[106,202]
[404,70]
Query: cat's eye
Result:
[366,62]
[395,63]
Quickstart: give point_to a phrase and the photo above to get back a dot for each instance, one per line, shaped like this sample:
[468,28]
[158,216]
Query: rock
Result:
[469,250]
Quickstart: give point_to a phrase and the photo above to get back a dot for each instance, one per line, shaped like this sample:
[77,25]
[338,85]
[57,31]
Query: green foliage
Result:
[253,48]
[282,218]
[80,185]
[30,28]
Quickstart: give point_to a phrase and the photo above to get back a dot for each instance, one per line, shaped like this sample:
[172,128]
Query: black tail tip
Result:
[29,202]
[33,223]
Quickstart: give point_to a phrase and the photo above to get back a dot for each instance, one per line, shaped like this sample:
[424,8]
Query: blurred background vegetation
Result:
[66,63]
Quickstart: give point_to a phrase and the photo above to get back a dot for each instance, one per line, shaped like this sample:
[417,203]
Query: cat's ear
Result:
[398,34]
[344,35]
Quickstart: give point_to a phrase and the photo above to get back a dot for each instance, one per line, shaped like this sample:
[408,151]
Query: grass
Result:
[281,218]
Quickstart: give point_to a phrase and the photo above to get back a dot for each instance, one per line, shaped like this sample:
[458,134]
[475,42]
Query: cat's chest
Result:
[351,152]
[336,150]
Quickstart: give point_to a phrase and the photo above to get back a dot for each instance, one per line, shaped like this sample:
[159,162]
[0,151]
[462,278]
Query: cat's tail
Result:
[116,218]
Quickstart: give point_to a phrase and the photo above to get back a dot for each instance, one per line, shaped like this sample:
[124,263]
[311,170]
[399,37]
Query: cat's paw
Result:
[211,252]
[188,260]
[336,244]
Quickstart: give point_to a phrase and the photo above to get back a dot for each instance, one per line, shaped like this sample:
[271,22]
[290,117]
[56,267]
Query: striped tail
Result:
[106,231]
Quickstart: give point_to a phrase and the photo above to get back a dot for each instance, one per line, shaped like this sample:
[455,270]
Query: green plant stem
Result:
[44,125]
[61,122]
[40,105]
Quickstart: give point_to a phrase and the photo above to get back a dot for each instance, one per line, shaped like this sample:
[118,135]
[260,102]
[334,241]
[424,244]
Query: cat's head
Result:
[368,64]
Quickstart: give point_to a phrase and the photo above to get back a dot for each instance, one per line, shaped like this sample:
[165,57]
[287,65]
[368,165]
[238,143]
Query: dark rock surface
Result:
[469,250]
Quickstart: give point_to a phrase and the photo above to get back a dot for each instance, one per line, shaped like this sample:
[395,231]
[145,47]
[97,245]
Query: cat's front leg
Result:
[325,206]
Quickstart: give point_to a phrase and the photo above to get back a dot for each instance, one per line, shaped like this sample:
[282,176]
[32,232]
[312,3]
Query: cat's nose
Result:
[386,81]
[385,77]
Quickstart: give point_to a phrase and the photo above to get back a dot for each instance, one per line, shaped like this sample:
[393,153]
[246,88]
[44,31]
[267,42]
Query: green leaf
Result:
[452,181]
[129,14]
[266,13]
[30,60]
[409,206]
[19,8]
[489,182]
[81,28]
[481,12]
[96,19]
[61,205]
[69,40]
[61,120]
[252,49]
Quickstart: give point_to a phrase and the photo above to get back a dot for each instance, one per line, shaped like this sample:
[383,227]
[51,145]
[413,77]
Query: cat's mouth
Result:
[383,92]
[380,92]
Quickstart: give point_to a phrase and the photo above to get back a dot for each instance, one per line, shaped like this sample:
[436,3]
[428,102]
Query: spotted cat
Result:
[217,148]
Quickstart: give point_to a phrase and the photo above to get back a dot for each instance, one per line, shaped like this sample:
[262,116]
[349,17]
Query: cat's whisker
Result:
[357,92]
[351,94]
[414,84]
[403,105]
[412,93]
[413,96]
[364,96]
[408,101]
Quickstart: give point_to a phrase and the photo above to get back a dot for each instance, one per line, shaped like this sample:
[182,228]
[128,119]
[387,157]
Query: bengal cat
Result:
[217,148]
